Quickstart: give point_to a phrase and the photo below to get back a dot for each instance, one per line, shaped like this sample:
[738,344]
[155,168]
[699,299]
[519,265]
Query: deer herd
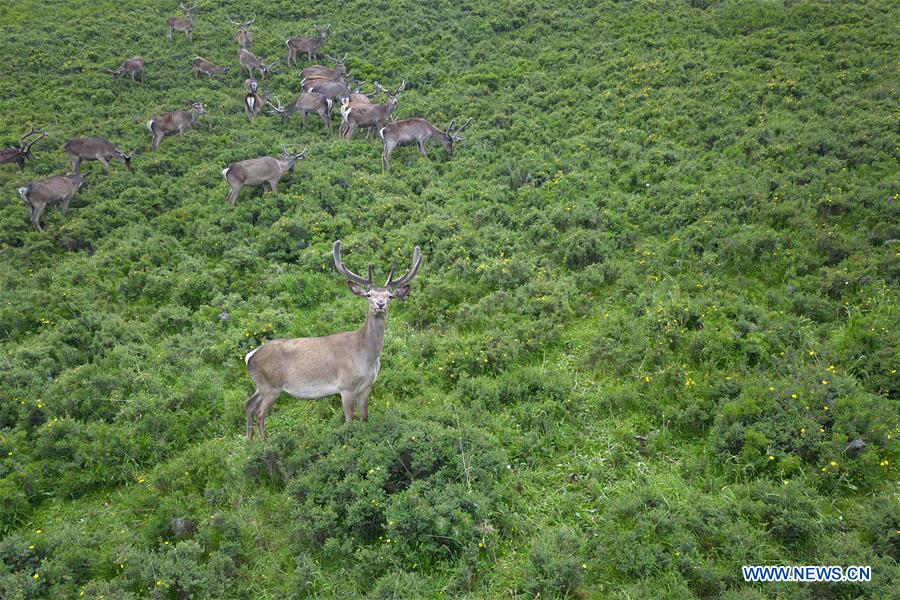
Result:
[343,363]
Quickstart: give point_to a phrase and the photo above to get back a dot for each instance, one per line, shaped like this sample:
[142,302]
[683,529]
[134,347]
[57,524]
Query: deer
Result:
[97,148]
[372,115]
[259,171]
[19,153]
[336,90]
[343,363]
[250,62]
[133,67]
[186,24]
[254,101]
[174,122]
[296,45]
[52,190]
[339,72]
[204,67]
[307,102]
[243,36]
[416,131]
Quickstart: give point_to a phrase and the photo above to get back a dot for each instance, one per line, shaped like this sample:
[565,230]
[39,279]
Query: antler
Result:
[339,265]
[455,135]
[278,109]
[401,88]
[248,23]
[26,147]
[232,21]
[408,276]
[382,88]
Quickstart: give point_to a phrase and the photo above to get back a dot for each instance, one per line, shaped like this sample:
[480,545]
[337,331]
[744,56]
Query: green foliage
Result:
[654,337]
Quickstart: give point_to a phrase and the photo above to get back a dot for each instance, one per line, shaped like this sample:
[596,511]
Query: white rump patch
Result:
[252,352]
[22,192]
[225,175]
[381,132]
[150,125]
[251,101]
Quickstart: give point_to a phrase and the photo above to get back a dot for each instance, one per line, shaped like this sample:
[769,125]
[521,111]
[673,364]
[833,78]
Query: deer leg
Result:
[170,34]
[274,185]
[265,402]
[76,162]
[65,204]
[105,164]
[347,402]
[421,146]
[233,194]
[156,140]
[386,157]
[362,403]
[36,211]
[190,35]
[250,411]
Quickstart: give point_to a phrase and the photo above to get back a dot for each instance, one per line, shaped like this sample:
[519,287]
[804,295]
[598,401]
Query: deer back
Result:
[92,148]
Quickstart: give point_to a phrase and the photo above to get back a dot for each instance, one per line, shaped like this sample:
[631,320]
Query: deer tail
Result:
[250,355]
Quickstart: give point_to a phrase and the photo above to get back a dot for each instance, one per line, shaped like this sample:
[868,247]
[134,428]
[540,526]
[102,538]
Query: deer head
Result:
[379,297]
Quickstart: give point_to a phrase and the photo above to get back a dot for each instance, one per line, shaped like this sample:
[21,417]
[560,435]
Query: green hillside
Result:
[654,337]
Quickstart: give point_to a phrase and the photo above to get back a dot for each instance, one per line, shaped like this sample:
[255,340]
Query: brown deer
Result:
[416,131]
[19,153]
[344,363]
[338,73]
[204,67]
[259,171]
[336,90]
[174,122]
[296,45]
[372,115]
[52,190]
[250,62]
[243,36]
[186,24]
[133,67]
[254,101]
[97,148]
[307,102]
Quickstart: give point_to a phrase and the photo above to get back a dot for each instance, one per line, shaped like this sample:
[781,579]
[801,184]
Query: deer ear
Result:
[356,289]
[401,292]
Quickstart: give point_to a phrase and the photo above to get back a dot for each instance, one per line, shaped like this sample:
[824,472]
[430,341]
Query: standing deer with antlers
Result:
[259,171]
[186,24]
[250,62]
[338,73]
[133,67]
[306,103]
[19,153]
[344,363]
[296,45]
[98,148]
[417,131]
[173,122]
[243,36]
[372,115]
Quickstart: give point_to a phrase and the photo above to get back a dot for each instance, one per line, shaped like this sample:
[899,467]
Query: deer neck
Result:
[372,334]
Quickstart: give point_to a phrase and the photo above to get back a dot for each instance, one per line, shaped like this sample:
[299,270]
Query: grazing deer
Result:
[133,67]
[174,122]
[296,45]
[259,171]
[250,62]
[344,363]
[97,148]
[307,102]
[19,153]
[186,24]
[338,73]
[204,67]
[336,90]
[416,131]
[243,36]
[52,190]
[254,101]
[372,115]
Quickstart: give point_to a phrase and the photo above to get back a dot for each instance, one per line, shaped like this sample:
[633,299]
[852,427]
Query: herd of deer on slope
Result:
[321,87]
[345,363]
